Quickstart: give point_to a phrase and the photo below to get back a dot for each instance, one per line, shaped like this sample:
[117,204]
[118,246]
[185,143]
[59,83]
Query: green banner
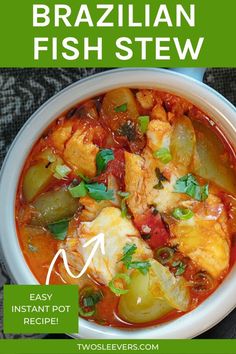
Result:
[118,346]
[40,309]
[75,33]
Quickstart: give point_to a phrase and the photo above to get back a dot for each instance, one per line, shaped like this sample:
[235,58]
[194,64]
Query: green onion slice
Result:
[189,185]
[143,122]
[114,288]
[182,214]
[124,209]
[164,254]
[86,314]
[163,155]
[180,267]
[97,191]
[61,171]
[78,191]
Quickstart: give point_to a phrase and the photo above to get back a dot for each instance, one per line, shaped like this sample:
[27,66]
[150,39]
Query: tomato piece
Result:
[99,135]
[152,229]
[105,313]
[116,167]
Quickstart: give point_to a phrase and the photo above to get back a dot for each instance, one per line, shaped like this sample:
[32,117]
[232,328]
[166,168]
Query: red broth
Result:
[118,130]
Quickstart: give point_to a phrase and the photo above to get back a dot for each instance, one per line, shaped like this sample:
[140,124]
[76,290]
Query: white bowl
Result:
[218,305]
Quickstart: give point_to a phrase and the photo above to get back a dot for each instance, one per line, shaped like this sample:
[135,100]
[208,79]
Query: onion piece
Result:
[209,165]
[140,305]
[174,289]
[118,107]
[182,143]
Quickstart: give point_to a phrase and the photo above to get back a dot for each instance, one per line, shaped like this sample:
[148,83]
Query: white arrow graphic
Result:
[98,242]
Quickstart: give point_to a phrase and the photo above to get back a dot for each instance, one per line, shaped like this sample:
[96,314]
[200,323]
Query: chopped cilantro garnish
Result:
[129,251]
[143,267]
[59,229]
[102,159]
[189,185]
[99,191]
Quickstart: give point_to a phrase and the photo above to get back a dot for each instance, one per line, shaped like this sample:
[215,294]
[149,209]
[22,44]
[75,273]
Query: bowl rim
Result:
[88,329]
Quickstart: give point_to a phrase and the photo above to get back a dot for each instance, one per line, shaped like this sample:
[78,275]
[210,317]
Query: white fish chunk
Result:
[81,153]
[205,240]
[118,232]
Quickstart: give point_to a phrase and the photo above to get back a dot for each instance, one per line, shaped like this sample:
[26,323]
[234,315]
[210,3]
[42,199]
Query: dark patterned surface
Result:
[22,91]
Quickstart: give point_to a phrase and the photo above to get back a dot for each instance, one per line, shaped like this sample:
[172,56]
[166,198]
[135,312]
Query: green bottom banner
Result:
[67,346]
